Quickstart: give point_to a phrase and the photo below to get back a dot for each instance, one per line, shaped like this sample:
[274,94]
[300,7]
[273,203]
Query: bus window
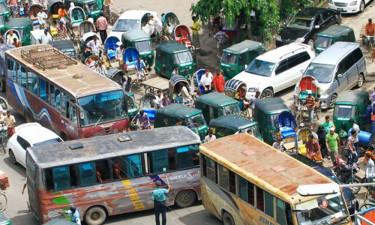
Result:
[260,199]
[21,76]
[159,161]
[268,200]
[57,99]
[64,104]
[184,158]
[134,166]
[12,69]
[280,212]
[211,170]
[242,188]
[72,113]
[119,168]
[61,178]
[52,94]
[31,82]
[223,177]
[43,90]
[102,171]
[250,194]
[87,173]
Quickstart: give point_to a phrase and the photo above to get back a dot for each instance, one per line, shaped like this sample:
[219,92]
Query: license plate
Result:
[340,9]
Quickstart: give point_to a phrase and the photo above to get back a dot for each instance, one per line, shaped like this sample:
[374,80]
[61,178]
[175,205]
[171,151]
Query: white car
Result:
[348,6]
[27,135]
[276,70]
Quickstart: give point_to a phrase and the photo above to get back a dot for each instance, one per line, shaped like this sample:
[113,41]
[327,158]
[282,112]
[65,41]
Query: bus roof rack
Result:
[46,57]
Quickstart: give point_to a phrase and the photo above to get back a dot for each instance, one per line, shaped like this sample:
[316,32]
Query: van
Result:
[340,67]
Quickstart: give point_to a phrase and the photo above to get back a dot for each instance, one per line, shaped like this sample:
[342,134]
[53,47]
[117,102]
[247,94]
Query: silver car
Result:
[338,68]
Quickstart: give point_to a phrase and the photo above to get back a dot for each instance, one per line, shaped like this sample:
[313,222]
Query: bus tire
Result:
[185,198]
[95,215]
[227,219]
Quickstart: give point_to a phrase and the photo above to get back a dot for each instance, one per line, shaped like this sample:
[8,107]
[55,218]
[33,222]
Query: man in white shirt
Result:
[356,128]
[206,81]
[46,37]
[175,71]
[10,37]
[95,46]
[120,53]
[279,145]
[369,168]
[42,16]
[209,137]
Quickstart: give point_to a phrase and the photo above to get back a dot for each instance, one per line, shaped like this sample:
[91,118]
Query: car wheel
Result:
[95,216]
[360,80]
[12,157]
[185,198]
[228,219]
[362,6]
[333,100]
[267,93]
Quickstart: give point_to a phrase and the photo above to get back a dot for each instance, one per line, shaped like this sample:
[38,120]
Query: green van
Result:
[139,40]
[191,117]
[22,27]
[233,124]
[350,104]
[267,111]
[215,104]
[172,54]
[236,57]
[333,34]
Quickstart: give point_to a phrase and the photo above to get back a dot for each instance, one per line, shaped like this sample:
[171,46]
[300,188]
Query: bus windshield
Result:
[103,107]
[323,210]
[143,46]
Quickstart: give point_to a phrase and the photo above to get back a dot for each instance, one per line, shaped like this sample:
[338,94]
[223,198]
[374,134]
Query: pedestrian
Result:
[62,30]
[95,46]
[101,68]
[218,81]
[367,117]
[343,134]
[42,16]
[328,124]
[310,105]
[91,63]
[72,6]
[102,26]
[62,13]
[221,37]
[120,53]
[206,81]
[357,130]
[196,27]
[322,134]
[127,84]
[350,147]
[175,71]
[333,144]
[10,123]
[143,119]
[158,98]
[43,3]
[370,30]
[75,216]
[140,67]
[313,149]
[279,145]
[253,101]
[160,204]
[250,132]
[370,170]
[10,37]
[210,136]
[184,93]
[16,43]
[165,101]
[46,37]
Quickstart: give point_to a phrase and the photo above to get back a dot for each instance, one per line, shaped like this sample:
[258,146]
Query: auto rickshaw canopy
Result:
[134,35]
[234,122]
[178,111]
[171,47]
[335,31]
[352,97]
[270,105]
[215,99]
[246,46]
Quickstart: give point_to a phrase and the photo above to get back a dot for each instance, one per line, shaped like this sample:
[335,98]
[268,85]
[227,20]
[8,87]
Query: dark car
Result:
[306,24]
[350,198]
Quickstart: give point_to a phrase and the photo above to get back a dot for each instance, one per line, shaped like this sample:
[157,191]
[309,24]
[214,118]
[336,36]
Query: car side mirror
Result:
[317,27]
[339,75]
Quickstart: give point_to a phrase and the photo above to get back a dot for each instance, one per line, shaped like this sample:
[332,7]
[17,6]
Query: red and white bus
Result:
[64,95]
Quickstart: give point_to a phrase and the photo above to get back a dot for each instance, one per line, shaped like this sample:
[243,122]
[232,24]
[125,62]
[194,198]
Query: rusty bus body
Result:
[113,174]
[246,181]
[62,94]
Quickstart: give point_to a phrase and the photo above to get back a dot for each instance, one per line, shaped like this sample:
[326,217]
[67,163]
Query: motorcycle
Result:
[345,172]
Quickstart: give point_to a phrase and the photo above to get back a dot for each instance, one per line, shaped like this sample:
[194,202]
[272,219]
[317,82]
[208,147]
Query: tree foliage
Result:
[268,12]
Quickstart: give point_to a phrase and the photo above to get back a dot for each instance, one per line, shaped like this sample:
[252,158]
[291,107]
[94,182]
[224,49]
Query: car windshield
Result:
[300,23]
[123,25]
[260,67]
[183,57]
[102,108]
[48,142]
[323,42]
[325,209]
[323,73]
[347,111]
[231,109]
[229,58]
[91,6]
[196,121]
[143,46]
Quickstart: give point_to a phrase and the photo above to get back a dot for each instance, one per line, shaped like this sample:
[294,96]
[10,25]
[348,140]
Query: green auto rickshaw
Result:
[22,27]
[350,104]
[139,40]
[4,15]
[215,104]
[92,8]
[191,117]
[266,113]
[132,106]
[236,57]
[233,124]
[333,34]
[172,54]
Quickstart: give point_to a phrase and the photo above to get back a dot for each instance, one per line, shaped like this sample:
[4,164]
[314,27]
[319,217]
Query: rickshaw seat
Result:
[287,132]
[111,53]
[151,113]
[53,31]
[55,16]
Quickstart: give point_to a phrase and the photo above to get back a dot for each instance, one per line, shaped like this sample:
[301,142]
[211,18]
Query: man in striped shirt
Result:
[310,105]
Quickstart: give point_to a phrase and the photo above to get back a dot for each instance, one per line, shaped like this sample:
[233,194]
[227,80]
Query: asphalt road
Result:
[17,209]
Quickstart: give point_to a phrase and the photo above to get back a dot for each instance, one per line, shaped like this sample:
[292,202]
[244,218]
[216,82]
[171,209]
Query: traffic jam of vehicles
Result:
[132,121]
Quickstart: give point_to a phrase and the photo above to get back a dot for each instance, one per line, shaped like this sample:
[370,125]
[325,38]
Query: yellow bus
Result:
[245,181]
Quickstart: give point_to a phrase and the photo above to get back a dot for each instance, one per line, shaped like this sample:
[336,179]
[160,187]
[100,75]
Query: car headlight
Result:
[300,40]
[252,89]
[278,38]
[353,3]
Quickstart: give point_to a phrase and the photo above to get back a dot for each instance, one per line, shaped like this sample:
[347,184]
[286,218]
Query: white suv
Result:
[348,6]
[276,70]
